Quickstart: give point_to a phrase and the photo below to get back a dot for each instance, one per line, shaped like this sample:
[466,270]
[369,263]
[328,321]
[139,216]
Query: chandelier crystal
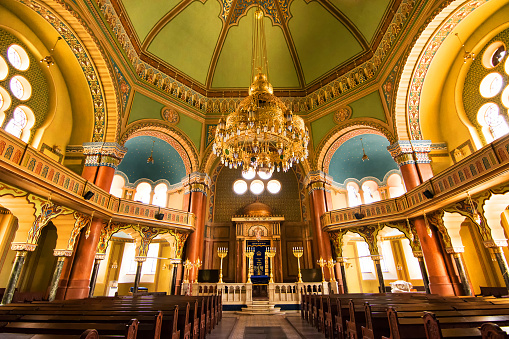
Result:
[262,134]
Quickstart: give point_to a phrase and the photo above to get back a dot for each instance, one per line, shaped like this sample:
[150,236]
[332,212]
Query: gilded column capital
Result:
[316,180]
[196,182]
[140,259]
[100,256]
[26,247]
[62,253]
[108,154]
[407,152]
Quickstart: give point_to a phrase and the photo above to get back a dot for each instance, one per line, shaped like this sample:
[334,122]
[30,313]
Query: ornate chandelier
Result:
[262,134]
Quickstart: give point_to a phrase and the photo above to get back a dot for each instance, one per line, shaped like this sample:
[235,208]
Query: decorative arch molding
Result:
[411,79]
[363,180]
[93,61]
[341,134]
[171,135]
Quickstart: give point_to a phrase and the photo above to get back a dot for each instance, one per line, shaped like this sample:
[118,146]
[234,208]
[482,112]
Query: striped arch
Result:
[94,64]
[329,145]
[411,79]
[171,135]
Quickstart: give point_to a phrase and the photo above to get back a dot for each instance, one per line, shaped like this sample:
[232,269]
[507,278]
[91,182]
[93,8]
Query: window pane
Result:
[491,85]
[17,88]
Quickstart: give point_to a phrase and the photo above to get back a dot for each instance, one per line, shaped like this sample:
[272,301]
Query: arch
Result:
[117,185]
[94,64]
[340,134]
[171,135]
[411,78]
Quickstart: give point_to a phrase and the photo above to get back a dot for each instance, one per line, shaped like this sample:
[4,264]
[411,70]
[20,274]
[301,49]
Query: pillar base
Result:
[78,289]
[441,285]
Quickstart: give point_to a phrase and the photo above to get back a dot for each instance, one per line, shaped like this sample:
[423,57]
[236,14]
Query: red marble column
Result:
[100,164]
[194,249]
[410,176]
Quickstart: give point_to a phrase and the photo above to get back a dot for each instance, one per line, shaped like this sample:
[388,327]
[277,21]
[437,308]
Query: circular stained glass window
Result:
[256,187]
[4,69]
[18,57]
[240,187]
[274,186]
[249,174]
[491,85]
[505,97]
[20,87]
[264,174]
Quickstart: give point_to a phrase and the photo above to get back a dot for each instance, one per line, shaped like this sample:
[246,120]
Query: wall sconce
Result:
[467,55]
[165,267]
[48,59]
[114,265]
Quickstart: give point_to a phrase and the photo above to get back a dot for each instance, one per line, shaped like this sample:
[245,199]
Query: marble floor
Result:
[291,326]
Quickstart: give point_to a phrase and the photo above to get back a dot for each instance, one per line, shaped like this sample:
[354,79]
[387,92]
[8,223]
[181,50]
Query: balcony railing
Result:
[488,166]
[27,168]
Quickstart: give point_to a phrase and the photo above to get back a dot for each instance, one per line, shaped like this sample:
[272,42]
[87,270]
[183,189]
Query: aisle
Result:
[289,326]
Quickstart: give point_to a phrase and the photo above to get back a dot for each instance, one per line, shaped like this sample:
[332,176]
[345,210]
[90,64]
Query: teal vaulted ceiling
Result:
[347,160]
[208,42]
[167,162]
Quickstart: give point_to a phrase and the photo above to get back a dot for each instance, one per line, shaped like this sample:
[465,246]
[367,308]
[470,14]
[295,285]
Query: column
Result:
[14,277]
[95,272]
[409,162]
[424,272]
[381,283]
[498,254]
[195,200]
[137,277]
[61,255]
[460,266]
[173,285]
[316,183]
[101,160]
[342,262]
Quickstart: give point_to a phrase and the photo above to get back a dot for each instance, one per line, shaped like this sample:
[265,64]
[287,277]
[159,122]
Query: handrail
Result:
[31,170]
[487,166]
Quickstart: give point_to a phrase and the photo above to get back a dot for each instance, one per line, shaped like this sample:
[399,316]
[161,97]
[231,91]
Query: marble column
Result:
[316,183]
[381,283]
[173,285]
[14,277]
[56,275]
[342,263]
[195,200]
[502,264]
[137,277]
[424,272]
[95,272]
[460,266]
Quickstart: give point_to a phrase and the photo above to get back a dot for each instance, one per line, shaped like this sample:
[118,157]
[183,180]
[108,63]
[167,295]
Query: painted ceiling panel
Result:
[358,10]
[347,160]
[152,11]
[167,162]
[234,65]
[320,128]
[187,42]
[192,128]
[144,107]
[370,106]
[322,42]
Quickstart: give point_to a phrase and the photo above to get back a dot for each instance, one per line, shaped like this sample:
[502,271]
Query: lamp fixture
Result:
[364,156]
[150,159]
[48,59]
[262,134]
[467,55]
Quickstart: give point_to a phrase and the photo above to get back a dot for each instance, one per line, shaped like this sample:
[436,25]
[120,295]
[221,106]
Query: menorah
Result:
[196,265]
[330,264]
[249,255]
[298,252]
[221,252]
[322,262]
[187,266]
[271,253]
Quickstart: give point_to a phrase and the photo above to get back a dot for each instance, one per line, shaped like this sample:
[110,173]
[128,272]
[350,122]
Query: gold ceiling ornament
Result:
[262,134]
[364,156]
[150,159]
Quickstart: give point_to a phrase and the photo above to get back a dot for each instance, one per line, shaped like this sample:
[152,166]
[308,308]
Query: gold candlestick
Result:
[271,253]
[330,264]
[249,255]
[196,265]
[221,252]
[322,262]
[187,266]
[298,252]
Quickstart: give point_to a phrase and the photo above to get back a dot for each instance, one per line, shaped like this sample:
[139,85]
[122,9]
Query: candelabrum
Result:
[221,252]
[187,266]
[322,262]
[249,255]
[298,252]
[330,264]
[271,252]
[196,265]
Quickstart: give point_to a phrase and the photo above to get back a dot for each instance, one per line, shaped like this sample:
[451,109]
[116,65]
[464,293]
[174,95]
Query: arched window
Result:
[493,123]
[117,186]
[143,191]
[160,196]
[370,190]
[354,198]
[395,184]
[21,122]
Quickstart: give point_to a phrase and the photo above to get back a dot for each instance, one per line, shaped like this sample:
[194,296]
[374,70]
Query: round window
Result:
[18,57]
[240,187]
[274,186]
[256,187]
[491,85]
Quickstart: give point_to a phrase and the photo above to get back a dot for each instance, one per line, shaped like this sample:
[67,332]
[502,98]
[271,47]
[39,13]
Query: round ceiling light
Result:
[240,187]
[274,186]
[264,174]
[256,187]
[249,174]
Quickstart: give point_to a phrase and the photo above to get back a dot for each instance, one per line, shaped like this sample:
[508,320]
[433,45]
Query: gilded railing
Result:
[38,169]
[489,162]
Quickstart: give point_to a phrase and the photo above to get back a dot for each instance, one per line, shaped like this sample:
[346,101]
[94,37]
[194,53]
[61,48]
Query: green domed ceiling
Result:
[209,41]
